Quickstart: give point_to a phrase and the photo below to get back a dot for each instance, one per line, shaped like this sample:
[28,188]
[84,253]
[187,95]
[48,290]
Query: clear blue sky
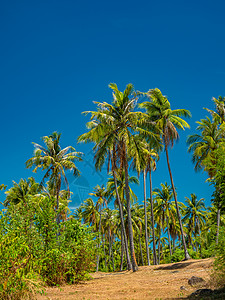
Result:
[56,57]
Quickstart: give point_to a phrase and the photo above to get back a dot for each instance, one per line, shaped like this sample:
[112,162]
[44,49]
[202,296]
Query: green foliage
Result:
[35,251]
[218,276]
[178,254]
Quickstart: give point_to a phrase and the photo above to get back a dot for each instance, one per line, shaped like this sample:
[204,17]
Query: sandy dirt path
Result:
[153,282]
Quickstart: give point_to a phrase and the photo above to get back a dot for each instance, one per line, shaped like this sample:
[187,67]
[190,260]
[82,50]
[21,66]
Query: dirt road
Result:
[153,282]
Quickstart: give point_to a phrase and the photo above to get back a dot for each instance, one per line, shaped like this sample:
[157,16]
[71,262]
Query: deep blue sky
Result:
[56,57]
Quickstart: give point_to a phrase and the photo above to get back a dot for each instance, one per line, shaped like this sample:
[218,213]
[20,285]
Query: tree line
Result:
[128,134]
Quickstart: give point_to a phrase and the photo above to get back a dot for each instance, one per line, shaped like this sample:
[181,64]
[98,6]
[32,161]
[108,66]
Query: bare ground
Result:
[149,282]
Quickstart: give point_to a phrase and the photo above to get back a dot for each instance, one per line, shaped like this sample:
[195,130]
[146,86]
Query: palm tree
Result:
[194,215]
[90,213]
[110,226]
[203,148]
[21,192]
[151,166]
[202,145]
[100,194]
[20,199]
[164,207]
[219,114]
[120,180]
[78,214]
[112,129]
[120,204]
[54,161]
[167,120]
[146,220]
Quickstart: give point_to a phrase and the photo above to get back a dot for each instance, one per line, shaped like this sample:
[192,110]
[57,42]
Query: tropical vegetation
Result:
[44,243]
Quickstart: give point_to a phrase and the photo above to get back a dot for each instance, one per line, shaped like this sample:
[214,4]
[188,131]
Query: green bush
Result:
[35,251]
[218,275]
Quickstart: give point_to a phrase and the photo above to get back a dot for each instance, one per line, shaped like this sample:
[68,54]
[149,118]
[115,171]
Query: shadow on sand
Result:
[203,294]
[176,266]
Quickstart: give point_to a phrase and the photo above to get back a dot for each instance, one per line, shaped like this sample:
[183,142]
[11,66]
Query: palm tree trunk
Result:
[111,250]
[174,244]
[130,229]
[168,231]
[99,235]
[159,242]
[140,246]
[103,244]
[186,254]
[146,223]
[153,221]
[218,226]
[57,209]
[200,239]
[122,220]
[122,250]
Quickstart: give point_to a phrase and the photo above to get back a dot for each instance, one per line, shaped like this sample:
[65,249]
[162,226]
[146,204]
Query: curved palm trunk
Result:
[153,221]
[122,222]
[218,226]
[146,221]
[168,231]
[130,229]
[186,254]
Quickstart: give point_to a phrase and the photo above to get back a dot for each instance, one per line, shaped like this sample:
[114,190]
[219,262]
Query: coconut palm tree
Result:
[120,200]
[21,192]
[152,157]
[164,207]
[203,148]
[110,227]
[159,111]
[90,213]
[54,161]
[202,145]
[194,215]
[100,193]
[120,179]
[219,114]
[113,129]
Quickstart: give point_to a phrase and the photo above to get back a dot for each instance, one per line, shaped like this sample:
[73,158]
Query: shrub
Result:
[35,251]
[218,275]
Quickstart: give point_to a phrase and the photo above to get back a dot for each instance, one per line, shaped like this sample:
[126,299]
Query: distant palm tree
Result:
[110,227]
[90,213]
[21,192]
[219,114]
[151,157]
[194,215]
[164,207]
[54,161]
[100,193]
[120,179]
[202,145]
[167,120]
[203,148]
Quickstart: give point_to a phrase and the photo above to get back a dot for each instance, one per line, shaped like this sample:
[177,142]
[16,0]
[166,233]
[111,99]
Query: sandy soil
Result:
[153,282]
